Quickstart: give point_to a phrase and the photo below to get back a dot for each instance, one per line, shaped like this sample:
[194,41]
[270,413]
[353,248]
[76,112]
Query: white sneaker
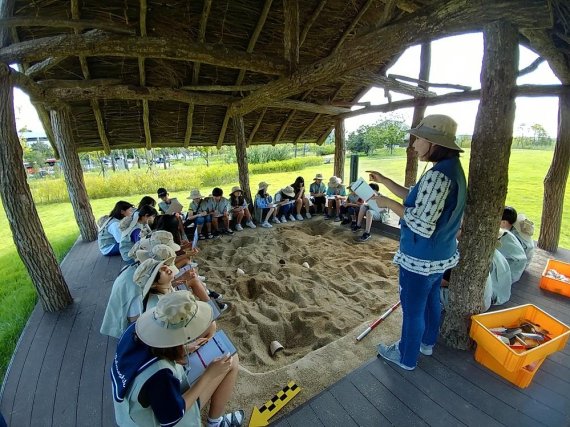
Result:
[299,217]
[292,218]
[239,227]
[276,220]
[308,215]
[266,225]
[283,219]
[250,224]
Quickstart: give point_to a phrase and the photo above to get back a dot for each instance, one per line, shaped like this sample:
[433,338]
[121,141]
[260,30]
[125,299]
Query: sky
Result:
[454,60]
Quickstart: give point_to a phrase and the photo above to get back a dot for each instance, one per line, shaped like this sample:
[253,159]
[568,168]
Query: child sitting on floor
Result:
[198,214]
[372,212]
[133,228]
[513,251]
[264,202]
[336,193]
[285,203]
[522,228]
[219,207]
[109,235]
[318,191]
[239,209]
[349,209]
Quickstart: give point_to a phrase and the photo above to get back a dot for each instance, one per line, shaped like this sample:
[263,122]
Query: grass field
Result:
[527,171]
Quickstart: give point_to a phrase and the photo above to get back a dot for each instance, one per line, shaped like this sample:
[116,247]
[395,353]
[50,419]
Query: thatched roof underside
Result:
[323,26]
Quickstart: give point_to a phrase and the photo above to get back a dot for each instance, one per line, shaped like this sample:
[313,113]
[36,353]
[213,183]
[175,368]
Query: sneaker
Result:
[209,236]
[215,295]
[308,215]
[327,217]
[365,236]
[266,225]
[299,217]
[337,219]
[356,228]
[229,231]
[201,237]
[283,219]
[239,227]
[222,306]
[232,419]
[216,233]
[292,218]
[426,350]
[345,221]
[250,224]
[276,220]
[392,354]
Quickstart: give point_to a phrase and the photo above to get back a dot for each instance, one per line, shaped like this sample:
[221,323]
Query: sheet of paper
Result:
[364,191]
[175,207]
[218,346]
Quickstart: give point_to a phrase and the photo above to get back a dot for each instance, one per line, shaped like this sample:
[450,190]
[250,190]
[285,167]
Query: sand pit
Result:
[315,312]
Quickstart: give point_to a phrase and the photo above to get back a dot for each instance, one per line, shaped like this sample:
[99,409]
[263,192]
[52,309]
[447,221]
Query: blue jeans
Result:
[285,210]
[202,219]
[422,312]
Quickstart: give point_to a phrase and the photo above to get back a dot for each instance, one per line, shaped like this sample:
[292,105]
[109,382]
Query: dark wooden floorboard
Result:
[59,375]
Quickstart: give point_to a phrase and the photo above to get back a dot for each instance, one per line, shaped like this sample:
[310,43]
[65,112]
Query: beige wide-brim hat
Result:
[334,181]
[318,176]
[128,224]
[263,185]
[159,253]
[236,188]
[176,320]
[142,244]
[163,237]
[288,191]
[524,225]
[195,194]
[146,273]
[438,129]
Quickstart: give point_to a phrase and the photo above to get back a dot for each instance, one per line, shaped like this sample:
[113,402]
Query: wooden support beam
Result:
[146,124]
[284,126]
[33,90]
[312,19]
[142,77]
[241,157]
[352,25]
[256,127]
[339,148]
[436,20]
[472,95]
[55,83]
[425,84]
[95,43]
[310,108]
[531,67]
[71,166]
[189,125]
[323,137]
[222,134]
[76,24]
[43,66]
[291,33]
[29,237]
[388,83]
[201,36]
[223,88]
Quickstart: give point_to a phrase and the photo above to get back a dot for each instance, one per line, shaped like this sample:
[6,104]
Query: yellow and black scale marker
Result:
[261,416]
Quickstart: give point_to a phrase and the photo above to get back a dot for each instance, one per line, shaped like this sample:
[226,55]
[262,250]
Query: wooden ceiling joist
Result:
[291,33]
[292,104]
[43,66]
[222,88]
[378,45]
[352,25]
[241,75]
[312,19]
[96,43]
[76,24]
[142,76]
[323,137]
[370,79]
[285,124]
[256,127]
[428,84]
[189,125]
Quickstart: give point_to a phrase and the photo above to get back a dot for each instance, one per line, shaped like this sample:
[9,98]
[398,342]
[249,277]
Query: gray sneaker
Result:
[426,350]
[392,354]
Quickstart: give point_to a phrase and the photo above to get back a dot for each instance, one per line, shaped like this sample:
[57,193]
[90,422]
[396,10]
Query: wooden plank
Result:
[422,405]
[553,382]
[108,414]
[330,412]
[303,416]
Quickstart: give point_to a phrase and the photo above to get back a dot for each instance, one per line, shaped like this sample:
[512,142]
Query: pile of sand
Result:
[315,313]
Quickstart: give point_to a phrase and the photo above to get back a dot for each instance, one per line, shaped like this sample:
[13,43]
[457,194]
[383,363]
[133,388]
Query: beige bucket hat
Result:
[263,185]
[524,225]
[438,129]
[146,273]
[288,191]
[163,237]
[128,224]
[236,188]
[159,253]
[142,244]
[318,176]
[195,194]
[334,181]
[176,320]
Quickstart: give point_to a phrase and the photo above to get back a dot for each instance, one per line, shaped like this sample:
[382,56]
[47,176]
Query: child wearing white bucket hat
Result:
[148,368]
[264,201]
[336,194]
[198,213]
[285,203]
[239,209]
[318,192]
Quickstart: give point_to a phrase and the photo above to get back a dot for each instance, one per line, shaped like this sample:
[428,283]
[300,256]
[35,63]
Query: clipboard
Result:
[174,207]
[218,346]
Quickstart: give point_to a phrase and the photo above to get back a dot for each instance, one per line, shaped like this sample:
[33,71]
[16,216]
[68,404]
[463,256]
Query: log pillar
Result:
[556,178]
[419,112]
[241,156]
[61,124]
[27,231]
[339,148]
[488,179]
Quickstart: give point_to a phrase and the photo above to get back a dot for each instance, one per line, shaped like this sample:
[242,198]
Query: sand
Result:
[315,313]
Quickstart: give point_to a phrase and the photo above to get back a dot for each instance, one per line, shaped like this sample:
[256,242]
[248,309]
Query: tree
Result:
[205,154]
[389,132]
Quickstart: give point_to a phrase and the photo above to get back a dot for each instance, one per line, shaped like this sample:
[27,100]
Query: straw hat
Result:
[163,237]
[236,188]
[334,181]
[318,176]
[288,191]
[177,319]
[524,225]
[438,129]
[195,194]
[146,273]
[159,253]
[263,185]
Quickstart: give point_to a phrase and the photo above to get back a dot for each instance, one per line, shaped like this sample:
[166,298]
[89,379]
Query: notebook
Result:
[218,346]
[175,207]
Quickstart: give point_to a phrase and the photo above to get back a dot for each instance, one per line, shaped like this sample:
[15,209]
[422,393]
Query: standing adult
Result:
[430,218]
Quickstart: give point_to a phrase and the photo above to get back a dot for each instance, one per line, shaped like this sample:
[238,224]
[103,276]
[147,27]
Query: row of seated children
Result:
[514,252]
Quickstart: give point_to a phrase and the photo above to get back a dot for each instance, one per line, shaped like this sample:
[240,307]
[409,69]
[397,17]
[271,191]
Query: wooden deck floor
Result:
[59,375]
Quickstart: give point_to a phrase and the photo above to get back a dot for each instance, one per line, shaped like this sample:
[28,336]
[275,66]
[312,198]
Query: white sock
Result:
[214,422]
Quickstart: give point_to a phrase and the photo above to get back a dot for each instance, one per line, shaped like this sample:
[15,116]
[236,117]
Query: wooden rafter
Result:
[189,125]
[312,19]
[323,137]
[142,76]
[87,76]
[256,127]
[241,75]
[223,88]
[531,67]
[43,66]
[353,25]
[438,19]
[428,84]
[306,129]
[290,117]
[291,33]
[76,24]
[370,79]
[96,43]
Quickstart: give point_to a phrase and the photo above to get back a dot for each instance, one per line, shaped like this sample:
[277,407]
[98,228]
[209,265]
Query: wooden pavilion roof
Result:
[142,73]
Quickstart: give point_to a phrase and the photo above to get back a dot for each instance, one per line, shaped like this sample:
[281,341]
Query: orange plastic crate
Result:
[553,285]
[508,358]
[521,377]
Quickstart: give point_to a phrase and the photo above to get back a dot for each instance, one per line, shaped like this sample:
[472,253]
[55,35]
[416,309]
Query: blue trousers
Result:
[114,251]
[202,219]
[285,210]
[422,313]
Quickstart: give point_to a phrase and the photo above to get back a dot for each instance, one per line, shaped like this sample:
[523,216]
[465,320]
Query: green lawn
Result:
[527,171]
